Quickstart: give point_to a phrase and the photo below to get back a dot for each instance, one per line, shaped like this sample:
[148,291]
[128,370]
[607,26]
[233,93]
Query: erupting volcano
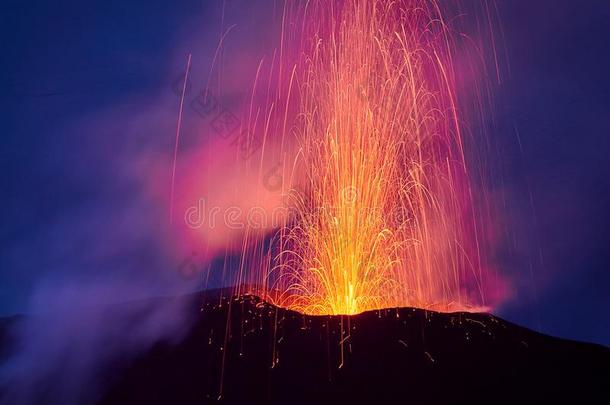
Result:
[382,211]
[305,201]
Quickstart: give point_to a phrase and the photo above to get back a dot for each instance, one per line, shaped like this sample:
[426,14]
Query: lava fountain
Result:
[383,213]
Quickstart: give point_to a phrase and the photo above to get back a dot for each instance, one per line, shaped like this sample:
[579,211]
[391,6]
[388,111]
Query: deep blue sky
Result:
[65,61]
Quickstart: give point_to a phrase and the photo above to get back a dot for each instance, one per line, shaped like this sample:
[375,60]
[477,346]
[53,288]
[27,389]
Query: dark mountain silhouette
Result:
[244,351]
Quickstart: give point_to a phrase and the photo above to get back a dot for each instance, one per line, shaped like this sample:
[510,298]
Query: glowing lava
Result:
[384,216]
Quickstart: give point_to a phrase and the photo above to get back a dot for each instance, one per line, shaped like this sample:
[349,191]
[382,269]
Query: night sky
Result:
[87,106]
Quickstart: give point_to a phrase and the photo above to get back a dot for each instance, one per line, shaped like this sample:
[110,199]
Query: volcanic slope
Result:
[242,350]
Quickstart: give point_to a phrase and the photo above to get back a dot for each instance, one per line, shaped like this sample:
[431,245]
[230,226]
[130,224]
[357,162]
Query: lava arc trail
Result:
[383,213]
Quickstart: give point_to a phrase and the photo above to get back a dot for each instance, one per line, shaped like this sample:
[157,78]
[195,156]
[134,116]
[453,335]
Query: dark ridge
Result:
[242,350]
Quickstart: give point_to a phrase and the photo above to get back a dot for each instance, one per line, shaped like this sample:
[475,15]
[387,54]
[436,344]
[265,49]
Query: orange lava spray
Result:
[383,215]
